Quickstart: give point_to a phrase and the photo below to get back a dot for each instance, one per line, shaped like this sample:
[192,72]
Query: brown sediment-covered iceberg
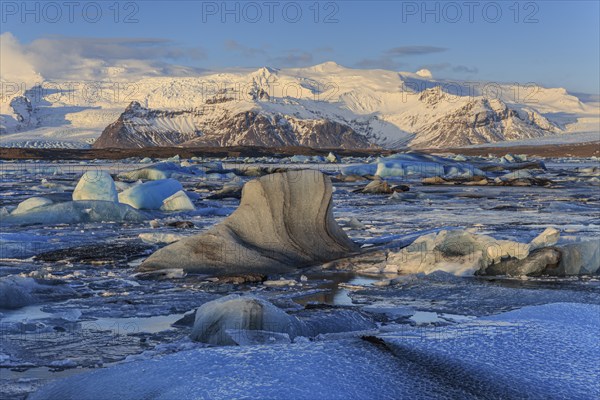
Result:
[284,221]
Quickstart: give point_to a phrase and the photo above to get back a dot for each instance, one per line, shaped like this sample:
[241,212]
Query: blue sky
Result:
[552,43]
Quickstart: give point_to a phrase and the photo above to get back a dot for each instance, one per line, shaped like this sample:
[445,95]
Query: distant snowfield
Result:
[389,108]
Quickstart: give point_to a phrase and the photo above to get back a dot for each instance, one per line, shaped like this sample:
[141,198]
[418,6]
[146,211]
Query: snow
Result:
[96,185]
[150,195]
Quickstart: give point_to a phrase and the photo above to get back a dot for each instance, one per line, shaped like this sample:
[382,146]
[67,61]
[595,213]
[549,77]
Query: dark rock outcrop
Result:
[141,127]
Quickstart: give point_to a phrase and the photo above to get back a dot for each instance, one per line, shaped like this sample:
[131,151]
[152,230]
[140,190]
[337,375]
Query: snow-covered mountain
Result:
[326,105]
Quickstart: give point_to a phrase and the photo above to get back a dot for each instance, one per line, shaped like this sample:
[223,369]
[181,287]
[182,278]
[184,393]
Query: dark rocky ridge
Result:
[140,127]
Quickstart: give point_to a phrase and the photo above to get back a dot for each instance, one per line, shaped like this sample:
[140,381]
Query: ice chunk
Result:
[458,252]
[463,253]
[96,185]
[215,318]
[416,164]
[579,258]
[73,212]
[150,195]
[547,238]
[300,159]
[317,322]
[30,204]
[16,292]
[538,262]
[518,174]
[333,158]
[160,238]
[162,170]
[360,169]
[178,202]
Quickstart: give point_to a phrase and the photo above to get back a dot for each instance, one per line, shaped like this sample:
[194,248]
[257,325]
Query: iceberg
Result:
[96,185]
[240,313]
[150,195]
[284,221]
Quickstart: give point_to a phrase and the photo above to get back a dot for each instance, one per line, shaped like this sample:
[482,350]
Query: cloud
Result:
[294,58]
[403,51]
[69,58]
[463,69]
[389,58]
[379,63]
[445,66]
[436,67]
[246,51]
[14,65]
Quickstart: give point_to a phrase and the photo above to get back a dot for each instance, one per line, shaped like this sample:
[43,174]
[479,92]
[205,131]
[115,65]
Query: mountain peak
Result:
[266,71]
[327,66]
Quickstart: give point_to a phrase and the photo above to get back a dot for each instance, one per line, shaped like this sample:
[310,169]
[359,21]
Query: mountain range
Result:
[324,106]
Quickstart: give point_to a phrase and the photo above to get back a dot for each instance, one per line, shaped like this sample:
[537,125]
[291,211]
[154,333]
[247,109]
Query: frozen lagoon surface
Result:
[87,326]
